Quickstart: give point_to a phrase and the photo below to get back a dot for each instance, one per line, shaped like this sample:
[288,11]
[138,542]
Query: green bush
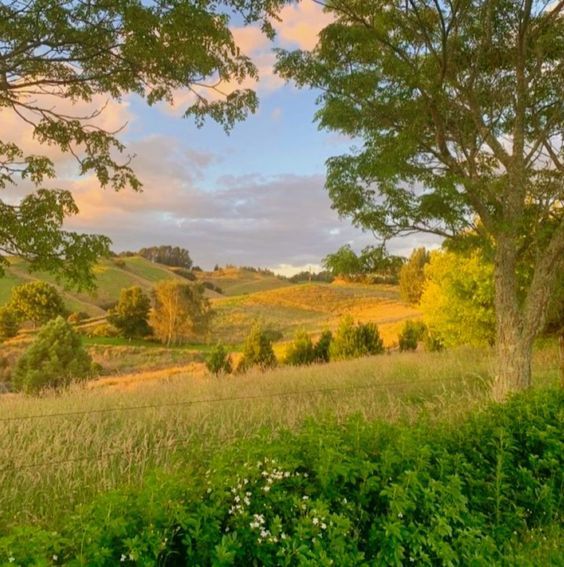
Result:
[354,494]
[130,315]
[257,350]
[54,360]
[432,341]
[411,334]
[321,350]
[9,323]
[218,361]
[355,341]
[301,351]
[102,330]
[37,301]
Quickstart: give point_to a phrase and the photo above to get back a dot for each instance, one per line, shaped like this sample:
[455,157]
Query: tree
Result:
[412,276]
[458,106]
[53,360]
[458,299]
[301,350]
[257,350]
[347,264]
[343,263]
[355,341]
[37,302]
[411,334]
[219,362]
[9,324]
[168,255]
[57,53]
[181,311]
[131,313]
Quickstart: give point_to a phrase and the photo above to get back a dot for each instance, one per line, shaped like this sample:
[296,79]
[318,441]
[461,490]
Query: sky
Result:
[255,197]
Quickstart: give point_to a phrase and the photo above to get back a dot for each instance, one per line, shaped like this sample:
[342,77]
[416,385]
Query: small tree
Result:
[54,360]
[411,334]
[301,351]
[9,324]
[219,362]
[354,341]
[130,315]
[257,350]
[181,311]
[412,276]
[322,347]
[37,302]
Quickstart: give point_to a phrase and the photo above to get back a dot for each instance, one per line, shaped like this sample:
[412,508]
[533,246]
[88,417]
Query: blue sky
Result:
[255,197]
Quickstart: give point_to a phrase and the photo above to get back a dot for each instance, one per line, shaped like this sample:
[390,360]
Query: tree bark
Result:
[513,342]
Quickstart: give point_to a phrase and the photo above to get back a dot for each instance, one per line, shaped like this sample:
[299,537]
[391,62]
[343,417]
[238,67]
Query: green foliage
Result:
[411,334]
[322,348]
[458,299]
[78,52]
[257,350]
[412,276]
[181,312]
[355,341]
[9,323]
[37,302]
[464,494]
[168,255]
[345,263]
[54,360]
[301,351]
[130,315]
[218,361]
[102,330]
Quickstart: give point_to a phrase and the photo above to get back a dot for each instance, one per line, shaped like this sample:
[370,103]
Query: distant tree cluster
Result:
[167,255]
[372,265]
[325,276]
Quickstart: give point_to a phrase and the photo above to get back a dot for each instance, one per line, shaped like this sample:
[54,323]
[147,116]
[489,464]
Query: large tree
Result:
[457,109]
[75,51]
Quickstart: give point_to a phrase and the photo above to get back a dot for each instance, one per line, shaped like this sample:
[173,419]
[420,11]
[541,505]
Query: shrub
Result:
[130,315]
[53,360]
[355,341]
[218,361]
[411,334]
[432,341]
[322,347]
[37,302]
[257,350]
[396,495]
[9,324]
[184,273]
[301,351]
[102,330]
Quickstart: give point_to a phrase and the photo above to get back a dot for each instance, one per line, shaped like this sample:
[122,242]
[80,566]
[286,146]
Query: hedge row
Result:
[355,494]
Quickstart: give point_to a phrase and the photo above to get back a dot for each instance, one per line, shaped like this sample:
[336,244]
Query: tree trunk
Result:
[514,343]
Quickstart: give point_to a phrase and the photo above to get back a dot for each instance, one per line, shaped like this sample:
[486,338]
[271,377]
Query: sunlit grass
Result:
[51,464]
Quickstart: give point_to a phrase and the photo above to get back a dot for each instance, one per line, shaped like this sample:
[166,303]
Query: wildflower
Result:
[123,558]
[306,475]
[283,535]
[315,521]
[266,488]
[323,526]
[400,515]
[55,558]
[237,499]
[246,500]
[305,497]
[208,490]
[11,559]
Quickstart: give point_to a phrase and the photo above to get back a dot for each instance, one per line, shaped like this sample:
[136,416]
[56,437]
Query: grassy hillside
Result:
[111,276]
[314,306]
[238,281]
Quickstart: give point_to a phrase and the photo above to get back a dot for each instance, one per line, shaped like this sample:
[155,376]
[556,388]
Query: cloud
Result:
[301,23]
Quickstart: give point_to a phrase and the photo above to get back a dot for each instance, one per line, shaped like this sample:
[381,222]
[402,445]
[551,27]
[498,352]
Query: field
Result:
[180,417]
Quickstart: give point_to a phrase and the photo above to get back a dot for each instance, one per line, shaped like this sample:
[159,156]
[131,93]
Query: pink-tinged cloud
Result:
[301,23]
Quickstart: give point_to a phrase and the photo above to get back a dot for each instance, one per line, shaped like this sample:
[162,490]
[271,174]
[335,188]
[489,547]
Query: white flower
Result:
[286,474]
[11,559]
[123,558]
[315,521]
[305,475]
[283,535]
[400,515]
[266,488]
[246,500]
[55,558]
[237,499]
[209,490]
[323,526]
[305,497]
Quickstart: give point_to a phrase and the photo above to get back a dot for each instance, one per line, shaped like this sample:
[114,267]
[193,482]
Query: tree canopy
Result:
[456,112]
[56,53]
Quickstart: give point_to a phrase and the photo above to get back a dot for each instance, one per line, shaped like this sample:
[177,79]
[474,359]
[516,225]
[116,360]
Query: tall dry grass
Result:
[50,464]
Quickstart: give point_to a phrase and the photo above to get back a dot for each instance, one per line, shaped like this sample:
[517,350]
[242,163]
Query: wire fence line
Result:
[183,442]
[227,399]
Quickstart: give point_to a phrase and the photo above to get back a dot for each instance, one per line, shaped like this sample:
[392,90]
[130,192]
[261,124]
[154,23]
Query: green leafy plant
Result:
[218,361]
[257,350]
[37,302]
[411,334]
[130,315]
[54,360]
[301,350]
[9,323]
[354,341]
[321,350]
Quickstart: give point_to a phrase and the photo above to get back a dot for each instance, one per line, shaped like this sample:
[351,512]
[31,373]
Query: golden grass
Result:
[48,465]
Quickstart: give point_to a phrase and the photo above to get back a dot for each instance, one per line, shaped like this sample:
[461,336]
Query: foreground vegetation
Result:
[460,490]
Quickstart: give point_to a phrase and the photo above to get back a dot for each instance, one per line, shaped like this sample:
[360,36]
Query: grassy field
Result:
[178,418]
[313,307]
[236,281]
